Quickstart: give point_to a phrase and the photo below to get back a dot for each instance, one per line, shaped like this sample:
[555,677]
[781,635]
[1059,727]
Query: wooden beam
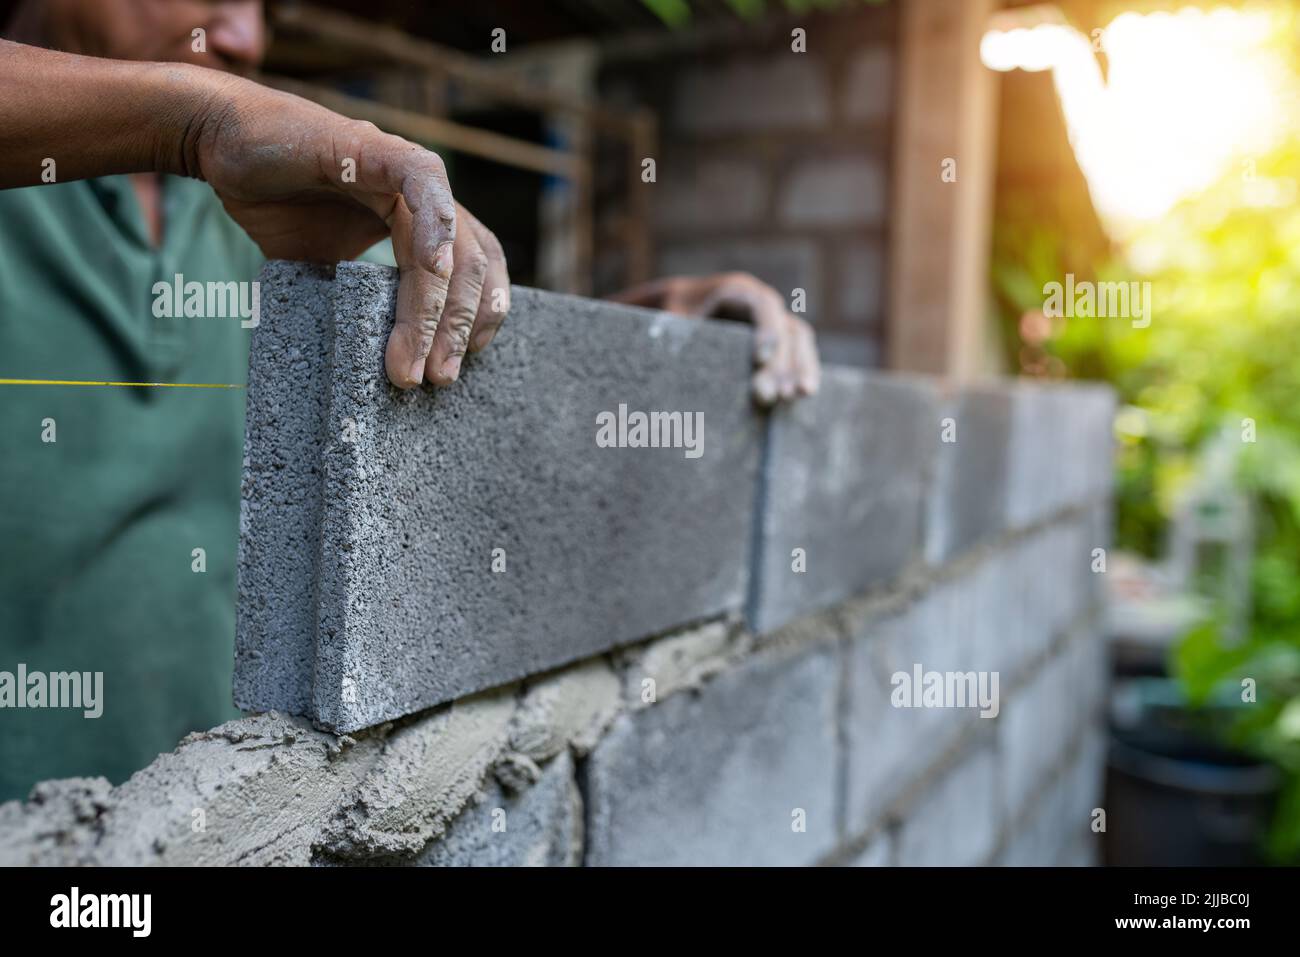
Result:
[429,129]
[424,54]
[941,231]
[636,128]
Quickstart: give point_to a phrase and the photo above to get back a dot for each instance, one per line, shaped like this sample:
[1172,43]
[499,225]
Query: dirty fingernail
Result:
[416,375]
[451,369]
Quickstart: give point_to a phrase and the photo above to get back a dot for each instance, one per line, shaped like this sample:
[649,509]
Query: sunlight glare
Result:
[1189,94]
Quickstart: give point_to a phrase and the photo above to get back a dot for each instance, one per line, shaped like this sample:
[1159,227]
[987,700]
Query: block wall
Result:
[682,661]
[770,161]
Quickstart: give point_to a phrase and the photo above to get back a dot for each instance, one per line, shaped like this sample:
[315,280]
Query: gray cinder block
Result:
[845,479]
[956,823]
[1061,449]
[965,502]
[1036,729]
[1022,452]
[542,827]
[717,777]
[753,94]
[888,748]
[279,521]
[371,516]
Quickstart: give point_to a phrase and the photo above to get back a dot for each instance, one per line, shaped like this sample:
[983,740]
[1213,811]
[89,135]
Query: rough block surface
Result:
[715,777]
[956,823]
[888,747]
[279,522]
[844,481]
[966,498]
[1061,450]
[414,491]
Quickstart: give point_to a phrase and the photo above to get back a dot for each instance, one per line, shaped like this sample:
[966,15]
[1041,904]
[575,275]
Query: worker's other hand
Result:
[308,184]
[785,351]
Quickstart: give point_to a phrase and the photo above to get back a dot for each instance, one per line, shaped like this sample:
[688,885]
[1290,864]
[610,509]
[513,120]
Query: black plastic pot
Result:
[1174,797]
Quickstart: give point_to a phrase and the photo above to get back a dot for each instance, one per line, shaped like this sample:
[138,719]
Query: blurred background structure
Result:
[763,161]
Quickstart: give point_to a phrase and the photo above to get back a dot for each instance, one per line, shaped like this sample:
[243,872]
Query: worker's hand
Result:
[785,352]
[308,184]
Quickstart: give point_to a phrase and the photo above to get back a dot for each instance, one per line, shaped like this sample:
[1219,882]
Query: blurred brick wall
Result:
[770,161]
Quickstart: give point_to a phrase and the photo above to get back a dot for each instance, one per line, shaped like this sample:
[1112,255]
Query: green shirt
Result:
[99,527]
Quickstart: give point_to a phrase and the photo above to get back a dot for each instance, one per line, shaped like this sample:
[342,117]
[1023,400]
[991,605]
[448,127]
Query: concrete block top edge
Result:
[948,388]
[1006,385]
[569,302]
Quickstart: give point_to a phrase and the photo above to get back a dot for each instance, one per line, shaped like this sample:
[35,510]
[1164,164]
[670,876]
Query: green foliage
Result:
[1223,346]
[677,13]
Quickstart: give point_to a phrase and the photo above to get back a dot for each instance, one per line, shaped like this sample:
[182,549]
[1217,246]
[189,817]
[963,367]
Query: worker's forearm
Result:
[96,117]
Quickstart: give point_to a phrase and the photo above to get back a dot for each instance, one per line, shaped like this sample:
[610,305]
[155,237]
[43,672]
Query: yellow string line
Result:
[132,385]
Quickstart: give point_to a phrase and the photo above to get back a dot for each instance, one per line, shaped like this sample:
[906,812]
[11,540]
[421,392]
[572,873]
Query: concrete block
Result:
[1061,450]
[541,827]
[834,191]
[1077,580]
[869,85]
[1085,852]
[859,282]
[1084,780]
[1034,836]
[398,500]
[859,349]
[710,193]
[777,92]
[994,614]
[890,748]
[1099,529]
[1038,590]
[1054,828]
[955,824]
[878,853]
[1022,453]
[965,501]
[720,776]
[844,482]
[784,264]
[1096,411]
[1034,732]
[1087,662]
[1053,571]
[1052,563]
[280,512]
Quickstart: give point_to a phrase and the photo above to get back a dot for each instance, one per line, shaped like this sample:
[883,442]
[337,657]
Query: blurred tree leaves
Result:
[1223,347]
[677,13]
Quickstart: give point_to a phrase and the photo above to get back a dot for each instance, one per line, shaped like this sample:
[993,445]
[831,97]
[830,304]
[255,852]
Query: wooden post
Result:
[941,231]
[642,144]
